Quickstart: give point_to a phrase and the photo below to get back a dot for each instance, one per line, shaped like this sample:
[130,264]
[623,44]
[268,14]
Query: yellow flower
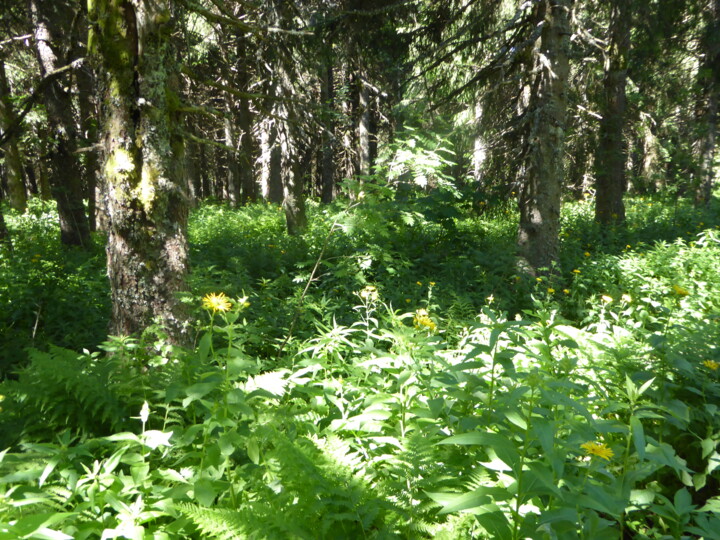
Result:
[551,290]
[419,283]
[566,291]
[369,293]
[680,291]
[606,299]
[407,300]
[216,302]
[587,253]
[598,449]
[711,364]
[422,320]
[432,283]
[576,271]
[539,279]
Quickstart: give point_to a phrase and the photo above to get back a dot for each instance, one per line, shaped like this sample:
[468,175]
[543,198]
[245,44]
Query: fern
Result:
[62,390]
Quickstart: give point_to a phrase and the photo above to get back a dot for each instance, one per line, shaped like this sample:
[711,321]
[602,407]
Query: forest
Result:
[353,269]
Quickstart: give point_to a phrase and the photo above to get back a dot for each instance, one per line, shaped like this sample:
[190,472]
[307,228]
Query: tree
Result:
[142,163]
[540,194]
[708,82]
[611,154]
[13,163]
[49,17]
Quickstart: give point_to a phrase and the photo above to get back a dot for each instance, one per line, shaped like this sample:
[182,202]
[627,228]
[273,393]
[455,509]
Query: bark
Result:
[49,17]
[538,236]
[248,149]
[142,165]
[89,126]
[364,130]
[479,153]
[293,200]
[327,168]
[17,196]
[611,156]
[271,160]
[707,109]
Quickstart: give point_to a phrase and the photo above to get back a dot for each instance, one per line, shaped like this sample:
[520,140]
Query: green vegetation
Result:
[415,384]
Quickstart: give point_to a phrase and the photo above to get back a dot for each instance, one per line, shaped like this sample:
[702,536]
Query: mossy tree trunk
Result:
[611,155]
[49,18]
[17,196]
[142,164]
[540,196]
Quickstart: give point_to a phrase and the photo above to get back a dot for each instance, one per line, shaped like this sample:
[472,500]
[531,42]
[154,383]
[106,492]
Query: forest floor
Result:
[387,374]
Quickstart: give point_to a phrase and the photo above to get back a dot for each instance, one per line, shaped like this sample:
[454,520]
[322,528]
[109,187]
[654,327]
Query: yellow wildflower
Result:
[216,302]
[576,271]
[422,320]
[566,291]
[551,290]
[711,364]
[369,293]
[432,283]
[598,449]
[680,291]
[418,283]
[587,253]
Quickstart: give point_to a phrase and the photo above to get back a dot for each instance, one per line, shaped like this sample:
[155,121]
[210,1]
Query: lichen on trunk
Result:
[143,179]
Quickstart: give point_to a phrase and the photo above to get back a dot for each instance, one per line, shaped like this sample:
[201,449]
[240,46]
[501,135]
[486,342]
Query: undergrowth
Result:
[428,389]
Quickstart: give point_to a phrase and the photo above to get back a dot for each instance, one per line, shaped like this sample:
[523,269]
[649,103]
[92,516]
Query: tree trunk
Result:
[233,167]
[479,153]
[611,156]
[364,129]
[538,235]
[88,124]
[48,17]
[142,165]
[327,168]
[17,196]
[271,160]
[293,200]
[707,110]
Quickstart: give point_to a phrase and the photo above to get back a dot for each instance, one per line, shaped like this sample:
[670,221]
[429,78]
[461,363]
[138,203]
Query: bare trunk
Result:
[364,130]
[233,169]
[709,84]
[88,124]
[538,236]
[611,157]
[65,176]
[271,161]
[143,156]
[327,168]
[17,196]
[479,147]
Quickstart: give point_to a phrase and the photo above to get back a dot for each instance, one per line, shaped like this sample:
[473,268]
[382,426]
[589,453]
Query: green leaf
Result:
[204,491]
[493,520]
[204,346]
[30,525]
[504,449]
[638,435]
[683,502]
